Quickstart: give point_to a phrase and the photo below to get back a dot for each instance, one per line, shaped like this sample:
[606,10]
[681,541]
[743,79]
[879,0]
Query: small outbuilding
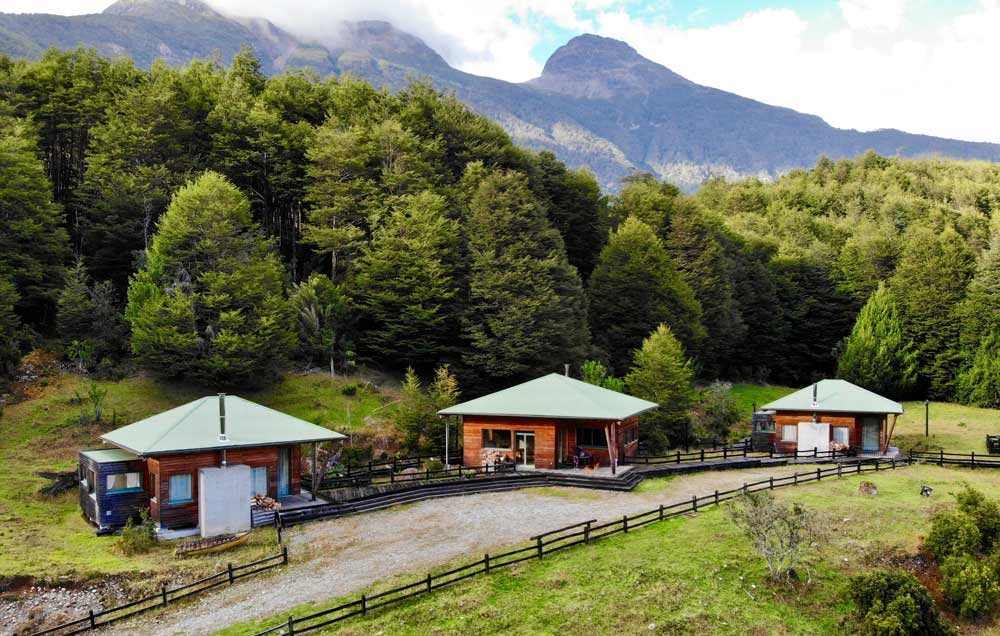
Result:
[196,465]
[539,424]
[828,415]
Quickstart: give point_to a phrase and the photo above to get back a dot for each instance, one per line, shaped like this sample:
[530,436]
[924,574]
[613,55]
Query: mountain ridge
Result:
[597,102]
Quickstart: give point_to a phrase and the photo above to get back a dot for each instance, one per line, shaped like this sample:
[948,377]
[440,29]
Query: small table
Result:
[584,460]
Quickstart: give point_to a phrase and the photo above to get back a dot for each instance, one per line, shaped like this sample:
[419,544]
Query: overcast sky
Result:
[923,66]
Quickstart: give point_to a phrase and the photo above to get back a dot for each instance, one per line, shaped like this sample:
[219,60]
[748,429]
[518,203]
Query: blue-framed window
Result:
[260,481]
[179,489]
[123,482]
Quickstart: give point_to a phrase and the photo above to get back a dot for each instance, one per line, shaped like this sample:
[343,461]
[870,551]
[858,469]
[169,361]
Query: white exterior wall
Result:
[224,499]
[814,435]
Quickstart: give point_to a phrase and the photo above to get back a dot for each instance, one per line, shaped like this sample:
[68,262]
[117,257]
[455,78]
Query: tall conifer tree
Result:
[877,355]
[526,310]
[634,288]
[661,373]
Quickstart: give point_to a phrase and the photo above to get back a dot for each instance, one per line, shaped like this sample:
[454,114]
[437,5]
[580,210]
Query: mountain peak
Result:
[161,9]
[382,40]
[602,68]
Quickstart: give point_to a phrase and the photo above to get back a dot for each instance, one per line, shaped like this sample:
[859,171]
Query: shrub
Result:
[782,534]
[349,389]
[984,512]
[137,537]
[894,603]
[952,533]
[970,585]
[435,465]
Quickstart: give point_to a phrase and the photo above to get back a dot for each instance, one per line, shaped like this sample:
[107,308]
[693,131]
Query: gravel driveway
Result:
[337,557]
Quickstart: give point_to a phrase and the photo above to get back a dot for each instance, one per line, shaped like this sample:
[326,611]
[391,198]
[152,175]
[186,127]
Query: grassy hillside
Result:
[48,537]
[668,579]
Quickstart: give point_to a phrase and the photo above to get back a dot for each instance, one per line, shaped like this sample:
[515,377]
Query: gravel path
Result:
[334,558]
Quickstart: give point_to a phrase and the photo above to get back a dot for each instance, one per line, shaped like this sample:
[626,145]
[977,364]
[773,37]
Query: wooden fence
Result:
[941,458]
[332,481]
[705,455]
[579,533]
[230,575]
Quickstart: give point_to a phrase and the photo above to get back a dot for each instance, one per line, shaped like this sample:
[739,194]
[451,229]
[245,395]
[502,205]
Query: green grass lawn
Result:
[690,575]
[48,537]
[953,427]
[748,394]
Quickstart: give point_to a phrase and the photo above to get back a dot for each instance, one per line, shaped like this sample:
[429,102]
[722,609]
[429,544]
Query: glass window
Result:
[121,482]
[790,433]
[842,435]
[260,481]
[497,439]
[180,489]
[91,481]
[592,437]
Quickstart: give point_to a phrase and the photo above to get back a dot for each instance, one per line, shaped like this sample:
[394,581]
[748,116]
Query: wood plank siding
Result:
[110,509]
[552,435]
[853,422]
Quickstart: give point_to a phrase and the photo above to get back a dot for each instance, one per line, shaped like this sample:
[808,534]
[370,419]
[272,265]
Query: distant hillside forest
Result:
[220,226]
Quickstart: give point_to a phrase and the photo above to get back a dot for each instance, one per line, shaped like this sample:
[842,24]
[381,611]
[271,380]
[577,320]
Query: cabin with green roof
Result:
[827,415]
[539,424]
[163,463]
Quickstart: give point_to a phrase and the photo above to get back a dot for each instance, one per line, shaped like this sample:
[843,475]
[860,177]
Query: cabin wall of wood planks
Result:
[548,431]
[853,421]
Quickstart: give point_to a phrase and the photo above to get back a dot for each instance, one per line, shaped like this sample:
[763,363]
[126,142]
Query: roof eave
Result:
[553,417]
[151,453]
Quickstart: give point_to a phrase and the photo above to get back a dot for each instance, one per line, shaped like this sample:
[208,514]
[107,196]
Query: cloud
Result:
[873,15]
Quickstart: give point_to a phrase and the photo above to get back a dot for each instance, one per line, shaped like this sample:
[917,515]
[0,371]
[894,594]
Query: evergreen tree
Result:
[979,381]
[33,243]
[980,311]
[323,318]
[75,309]
[404,285]
[693,242]
[209,305]
[526,309]
[416,416]
[597,374]
[929,284]
[661,373]
[652,202]
[876,355]
[634,288]
[575,208]
[10,332]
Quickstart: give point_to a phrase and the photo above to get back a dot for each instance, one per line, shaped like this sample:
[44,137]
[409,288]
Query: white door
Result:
[814,435]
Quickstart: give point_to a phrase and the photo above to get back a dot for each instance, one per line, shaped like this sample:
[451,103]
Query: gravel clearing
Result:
[337,557]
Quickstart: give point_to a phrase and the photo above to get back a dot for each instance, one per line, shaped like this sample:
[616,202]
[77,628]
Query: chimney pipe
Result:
[566,370]
[815,399]
[222,424]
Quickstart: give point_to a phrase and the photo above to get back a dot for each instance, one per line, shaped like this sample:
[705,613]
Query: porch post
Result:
[447,425]
[315,472]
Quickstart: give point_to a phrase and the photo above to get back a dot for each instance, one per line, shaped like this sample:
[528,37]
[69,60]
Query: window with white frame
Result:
[124,482]
[842,435]
[179,489]
[790,433]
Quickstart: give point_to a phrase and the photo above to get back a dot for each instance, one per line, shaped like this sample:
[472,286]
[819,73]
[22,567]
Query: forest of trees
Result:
[219,225]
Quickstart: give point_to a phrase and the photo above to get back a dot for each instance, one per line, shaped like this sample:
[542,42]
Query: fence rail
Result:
[165,596]
[332,481]
[705,455]
[941,458]
[579,533]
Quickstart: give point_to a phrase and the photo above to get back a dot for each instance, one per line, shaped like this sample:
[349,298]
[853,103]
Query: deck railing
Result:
[704,455]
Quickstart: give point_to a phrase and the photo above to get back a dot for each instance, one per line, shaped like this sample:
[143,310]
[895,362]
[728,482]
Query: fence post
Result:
[795,479]
[678,457]
[770,482]
[429,582]
[744,451]
[163,593]
[229,569]
[894,463]
[586,529]
[364,604]
[941,460]
[661,514]
[486,561]
[93,622]
[694,502]
[725,453]
[625,523]
[877,462]
[840,469]
[284,555]
[716,497]
[815,452]
[703,454]
[291,626]
[541,551]
[819,475]
[973,460]
[910,454]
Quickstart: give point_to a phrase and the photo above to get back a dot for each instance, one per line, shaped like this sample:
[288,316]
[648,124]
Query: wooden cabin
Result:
[540,423]
[157,463]
[830,414]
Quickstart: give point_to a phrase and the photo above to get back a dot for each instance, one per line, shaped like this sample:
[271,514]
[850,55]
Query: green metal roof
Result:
[108,455]
[195,426]
[555,396]
[835,396]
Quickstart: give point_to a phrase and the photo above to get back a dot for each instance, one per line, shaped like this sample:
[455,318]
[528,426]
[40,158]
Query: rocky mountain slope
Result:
[597,103]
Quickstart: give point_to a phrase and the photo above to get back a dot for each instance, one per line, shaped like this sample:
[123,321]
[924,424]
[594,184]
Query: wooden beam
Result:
[315,472]
[888,437]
